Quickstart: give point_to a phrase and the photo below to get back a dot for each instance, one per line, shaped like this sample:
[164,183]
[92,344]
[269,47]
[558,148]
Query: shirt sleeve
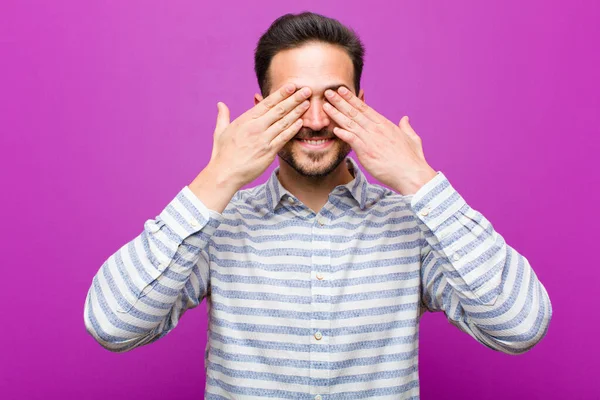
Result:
[484,286]
[141,291]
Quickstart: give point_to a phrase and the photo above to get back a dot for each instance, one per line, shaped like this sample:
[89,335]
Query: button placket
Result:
[320,323]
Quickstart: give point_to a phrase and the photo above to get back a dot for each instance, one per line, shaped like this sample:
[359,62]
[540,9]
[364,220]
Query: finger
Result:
[223,118]
[281,139]
[272,100]
[360,105]
[347,109]
[353,140]
[287,120]
[278,112]
[343,121]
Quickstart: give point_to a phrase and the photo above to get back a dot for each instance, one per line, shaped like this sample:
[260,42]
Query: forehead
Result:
[316,65]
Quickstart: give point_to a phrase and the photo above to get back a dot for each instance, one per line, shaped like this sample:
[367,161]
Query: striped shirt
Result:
[325,305]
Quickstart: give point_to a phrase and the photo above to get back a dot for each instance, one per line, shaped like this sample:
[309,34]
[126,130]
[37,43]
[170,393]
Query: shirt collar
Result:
[357,187]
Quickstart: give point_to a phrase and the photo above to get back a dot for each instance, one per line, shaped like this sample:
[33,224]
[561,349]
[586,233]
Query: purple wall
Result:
[97,99]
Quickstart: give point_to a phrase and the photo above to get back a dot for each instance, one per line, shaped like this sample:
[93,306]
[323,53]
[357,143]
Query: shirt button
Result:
[321,222]
[291,200]
[425,211]
[318,336]
[318,397]
[456,257]
[320,276]
[194,223]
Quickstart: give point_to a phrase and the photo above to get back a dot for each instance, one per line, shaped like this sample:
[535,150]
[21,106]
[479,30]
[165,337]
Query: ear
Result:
[257,98]
[361,95]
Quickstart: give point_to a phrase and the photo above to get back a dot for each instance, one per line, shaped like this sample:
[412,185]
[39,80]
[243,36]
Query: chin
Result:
[314,163]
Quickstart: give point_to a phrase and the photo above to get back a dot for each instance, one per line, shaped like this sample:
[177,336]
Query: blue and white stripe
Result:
[318,306]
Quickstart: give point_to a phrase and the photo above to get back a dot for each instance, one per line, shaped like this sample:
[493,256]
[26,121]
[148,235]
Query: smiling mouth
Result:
[316,144]
[315,141]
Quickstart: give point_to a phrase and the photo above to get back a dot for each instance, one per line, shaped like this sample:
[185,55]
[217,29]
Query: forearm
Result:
[483,285]
[141,291]
[495,296]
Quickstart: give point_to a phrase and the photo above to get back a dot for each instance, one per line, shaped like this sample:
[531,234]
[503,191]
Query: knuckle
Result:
[267,103]
[300,110]
[266,148]
[362,106]
[353,113]
[279,110]
[283,124]
[350,123]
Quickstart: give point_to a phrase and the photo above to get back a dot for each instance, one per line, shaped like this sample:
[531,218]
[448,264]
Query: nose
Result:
[315,118]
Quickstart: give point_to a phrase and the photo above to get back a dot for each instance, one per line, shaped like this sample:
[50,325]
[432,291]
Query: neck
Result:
[313,191]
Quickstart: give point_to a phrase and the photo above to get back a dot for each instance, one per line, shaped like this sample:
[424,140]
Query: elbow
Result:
[106,340]
[106,335]
[528,335]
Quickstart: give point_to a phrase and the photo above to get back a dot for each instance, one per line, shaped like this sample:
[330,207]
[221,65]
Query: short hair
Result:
[292,31]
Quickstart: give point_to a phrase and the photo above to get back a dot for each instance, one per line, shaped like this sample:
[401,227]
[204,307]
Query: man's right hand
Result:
[246,147]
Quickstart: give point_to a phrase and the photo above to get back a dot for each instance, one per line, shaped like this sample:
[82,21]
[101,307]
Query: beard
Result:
[318,163]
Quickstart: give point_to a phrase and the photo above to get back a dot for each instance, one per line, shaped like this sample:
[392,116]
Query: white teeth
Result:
[315,142]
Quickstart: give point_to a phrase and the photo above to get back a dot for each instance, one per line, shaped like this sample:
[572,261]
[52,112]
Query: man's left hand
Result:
[392,154]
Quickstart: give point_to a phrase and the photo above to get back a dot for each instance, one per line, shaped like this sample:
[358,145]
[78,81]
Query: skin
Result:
[311,175]
[244,148]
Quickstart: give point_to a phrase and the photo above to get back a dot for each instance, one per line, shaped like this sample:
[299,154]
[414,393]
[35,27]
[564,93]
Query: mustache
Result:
[306,133]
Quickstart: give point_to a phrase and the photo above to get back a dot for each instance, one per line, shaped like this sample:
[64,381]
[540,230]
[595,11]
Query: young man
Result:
[316,280]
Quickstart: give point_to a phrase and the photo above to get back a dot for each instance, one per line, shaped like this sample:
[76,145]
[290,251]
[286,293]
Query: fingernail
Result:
[342,90]
[290,88]
[329,93]
[305,91]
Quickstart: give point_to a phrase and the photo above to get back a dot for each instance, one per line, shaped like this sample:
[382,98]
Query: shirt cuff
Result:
[186,215]
[436,201]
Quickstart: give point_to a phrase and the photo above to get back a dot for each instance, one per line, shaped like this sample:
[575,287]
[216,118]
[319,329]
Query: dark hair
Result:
[292,31]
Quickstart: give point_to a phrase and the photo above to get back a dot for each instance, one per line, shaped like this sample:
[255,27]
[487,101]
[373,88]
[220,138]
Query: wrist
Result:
[213,188]
[217,178]
[411,184]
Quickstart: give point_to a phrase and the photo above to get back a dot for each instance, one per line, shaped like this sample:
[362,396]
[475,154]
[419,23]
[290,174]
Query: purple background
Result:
[107,110]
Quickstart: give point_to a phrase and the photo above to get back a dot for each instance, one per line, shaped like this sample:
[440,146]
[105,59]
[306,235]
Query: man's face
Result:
[319,66]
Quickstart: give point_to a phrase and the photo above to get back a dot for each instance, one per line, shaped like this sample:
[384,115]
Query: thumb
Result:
[405,126]
[222,118]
